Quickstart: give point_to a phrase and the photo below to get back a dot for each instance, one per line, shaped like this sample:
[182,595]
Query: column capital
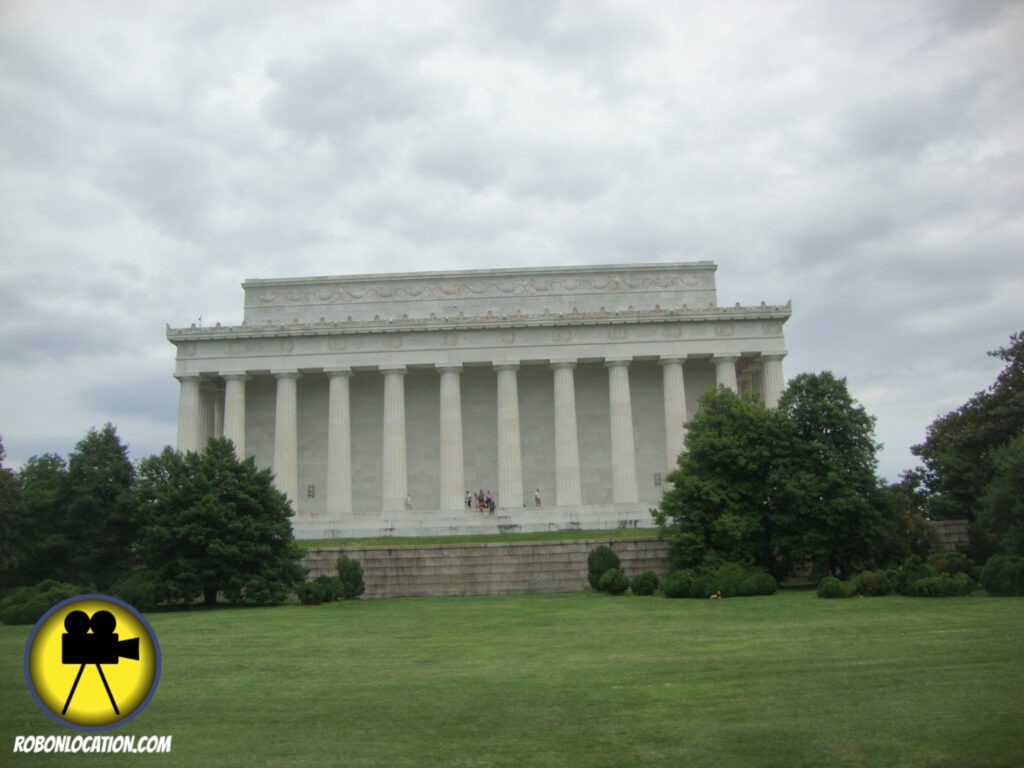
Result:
[338,370]
[234,375]
[614,362]
[401,370]
[183,377]
[449,367]
[506,366]
[567,362]
[774,356]
[289,373]
[724,358]
[672,360]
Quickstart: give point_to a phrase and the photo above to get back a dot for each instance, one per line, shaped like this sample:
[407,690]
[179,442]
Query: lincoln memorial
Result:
[380,400]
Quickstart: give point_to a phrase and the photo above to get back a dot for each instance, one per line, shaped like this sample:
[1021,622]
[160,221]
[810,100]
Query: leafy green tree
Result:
[100,520]
[908,530]
[1002,507]
[717,507]
[12,514]
[959,449]
[42,541]
[823,478]
[214,524]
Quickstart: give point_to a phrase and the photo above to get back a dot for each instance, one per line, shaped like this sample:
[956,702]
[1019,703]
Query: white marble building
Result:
[379,400]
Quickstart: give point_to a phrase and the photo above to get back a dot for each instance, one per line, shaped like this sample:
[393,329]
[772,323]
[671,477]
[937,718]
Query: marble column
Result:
[396,479]
[725,371]
[452,483]
[218,412]
[675,409]
[234,410]
[623,448]
[567,451]
[286,436]
[189,415]
[339,444]
[772,379]
[510,460]
[206,423]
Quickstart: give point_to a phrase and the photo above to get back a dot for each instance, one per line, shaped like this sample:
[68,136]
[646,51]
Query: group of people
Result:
[484,501]
[481,501]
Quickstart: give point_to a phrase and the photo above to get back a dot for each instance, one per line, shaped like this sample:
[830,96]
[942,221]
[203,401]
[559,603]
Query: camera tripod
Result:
[74,686]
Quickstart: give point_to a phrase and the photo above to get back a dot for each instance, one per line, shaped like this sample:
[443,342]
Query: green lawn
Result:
[485,538]
[577,679]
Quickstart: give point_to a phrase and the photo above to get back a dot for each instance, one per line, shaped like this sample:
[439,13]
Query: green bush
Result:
[645,583]
[727,579]
[871,584]
[913,569]
[25,605]
[831,587]
[350,574]
[703,585]
[677,584]
[332,588]
[953,563]
[758,583]
[1003,575]
[600,560]
[142,589]
[310,593]
[614,582]
[943,585]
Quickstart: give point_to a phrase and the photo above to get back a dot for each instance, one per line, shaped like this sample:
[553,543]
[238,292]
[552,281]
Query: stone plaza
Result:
[380,400]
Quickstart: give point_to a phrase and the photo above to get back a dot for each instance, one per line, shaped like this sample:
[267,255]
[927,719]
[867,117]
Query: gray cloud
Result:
[864,160]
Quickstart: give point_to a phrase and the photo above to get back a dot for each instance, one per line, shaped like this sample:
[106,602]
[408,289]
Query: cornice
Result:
[779,313]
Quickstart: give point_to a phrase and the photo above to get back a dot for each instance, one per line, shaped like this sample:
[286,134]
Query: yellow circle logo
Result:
[92,662]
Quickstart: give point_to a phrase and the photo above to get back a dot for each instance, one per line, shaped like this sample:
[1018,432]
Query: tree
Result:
[214,524]
[717,507]
[12,512]
[1002,507]
[42,542]
[959,449]
[100,519]
[908,530]
[823,478]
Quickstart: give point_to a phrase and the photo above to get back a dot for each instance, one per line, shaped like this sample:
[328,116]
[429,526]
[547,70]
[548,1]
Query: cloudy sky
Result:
[864,159]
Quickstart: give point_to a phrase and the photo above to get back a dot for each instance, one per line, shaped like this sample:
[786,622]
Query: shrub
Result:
[600,560]
[943,585]
[310,593]
[727,579]
[758,583]
[645,583]
[614,582]
[25,605]
[350,574]
[703,585]
[331,587]
[830,587]
[1003,575]
[871,584]
[953,563]
[913,569]
[678,584]
[142,589]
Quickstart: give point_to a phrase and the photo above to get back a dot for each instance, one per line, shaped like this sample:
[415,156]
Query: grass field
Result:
[576,679]
[485,538]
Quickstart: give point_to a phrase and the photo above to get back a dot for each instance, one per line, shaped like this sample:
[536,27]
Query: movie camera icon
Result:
[100,647]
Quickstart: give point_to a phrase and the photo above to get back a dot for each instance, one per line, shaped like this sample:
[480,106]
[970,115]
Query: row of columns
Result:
[195,418]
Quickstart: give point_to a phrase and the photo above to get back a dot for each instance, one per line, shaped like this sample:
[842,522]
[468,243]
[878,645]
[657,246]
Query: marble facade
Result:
[379,400]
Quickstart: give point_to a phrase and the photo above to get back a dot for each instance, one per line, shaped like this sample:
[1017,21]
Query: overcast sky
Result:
[862,159]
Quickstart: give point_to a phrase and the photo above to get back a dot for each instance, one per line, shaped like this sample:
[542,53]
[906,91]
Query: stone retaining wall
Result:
[486,569]
[953,534]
